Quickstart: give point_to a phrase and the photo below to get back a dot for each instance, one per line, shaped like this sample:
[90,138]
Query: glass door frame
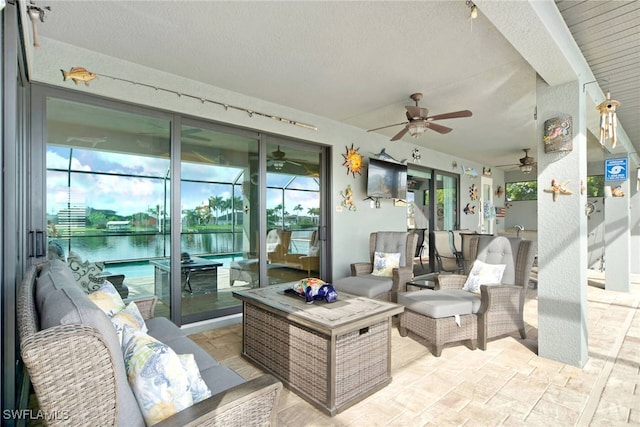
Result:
[432,207]
[37,164]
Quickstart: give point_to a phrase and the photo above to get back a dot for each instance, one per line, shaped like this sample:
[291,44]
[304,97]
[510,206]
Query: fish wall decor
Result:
[78,74]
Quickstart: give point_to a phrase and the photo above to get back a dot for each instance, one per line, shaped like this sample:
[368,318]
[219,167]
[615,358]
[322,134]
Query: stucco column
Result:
[634,206]
[562,231]
[616,235]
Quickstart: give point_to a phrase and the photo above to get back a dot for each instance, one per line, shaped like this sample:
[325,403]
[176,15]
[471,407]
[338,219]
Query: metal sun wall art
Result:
[352,161]
[558,189]
[558,134]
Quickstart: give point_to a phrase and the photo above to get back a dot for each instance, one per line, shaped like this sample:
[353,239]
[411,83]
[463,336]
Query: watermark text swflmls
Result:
[33,414]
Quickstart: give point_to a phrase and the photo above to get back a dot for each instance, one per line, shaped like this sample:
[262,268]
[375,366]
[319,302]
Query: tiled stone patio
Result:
[506,385]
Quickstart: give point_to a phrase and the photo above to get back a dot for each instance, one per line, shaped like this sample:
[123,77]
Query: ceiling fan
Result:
[526,164]
[278,160]
[419,120]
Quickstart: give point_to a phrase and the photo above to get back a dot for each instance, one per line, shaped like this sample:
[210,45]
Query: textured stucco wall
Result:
[562,233]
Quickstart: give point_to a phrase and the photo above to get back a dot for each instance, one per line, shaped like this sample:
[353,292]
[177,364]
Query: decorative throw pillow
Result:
[384,263]
[86,272]
[197,386]
[483,274]
[129,316]
[108,299]
[157,377]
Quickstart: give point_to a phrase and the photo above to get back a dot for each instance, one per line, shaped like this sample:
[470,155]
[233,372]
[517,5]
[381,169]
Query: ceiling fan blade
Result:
[452,115]
[387,126]
[414,112]
[438,128]
[400,134]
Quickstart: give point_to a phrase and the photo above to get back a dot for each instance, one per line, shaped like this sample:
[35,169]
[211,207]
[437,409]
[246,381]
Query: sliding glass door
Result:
[293,206]
[219,218]
[178,208]
[433,203]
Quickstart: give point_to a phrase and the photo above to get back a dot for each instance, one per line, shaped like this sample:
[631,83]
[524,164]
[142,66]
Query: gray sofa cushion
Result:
[183,345]
[70,305]
[366,285]
[220,378]
[439,304]
[163,329]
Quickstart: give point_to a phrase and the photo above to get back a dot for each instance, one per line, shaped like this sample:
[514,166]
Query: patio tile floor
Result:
[506,385]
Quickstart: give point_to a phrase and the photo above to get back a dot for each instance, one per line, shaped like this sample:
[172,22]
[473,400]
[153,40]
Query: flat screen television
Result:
[387,180]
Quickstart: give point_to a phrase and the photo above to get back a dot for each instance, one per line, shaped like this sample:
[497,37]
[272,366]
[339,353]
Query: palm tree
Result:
[225,205]
[214,204]
[314,212]
[297,209]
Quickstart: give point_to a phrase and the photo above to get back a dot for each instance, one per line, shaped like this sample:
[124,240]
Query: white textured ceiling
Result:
[355,62]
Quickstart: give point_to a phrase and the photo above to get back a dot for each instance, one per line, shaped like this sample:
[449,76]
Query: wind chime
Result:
[608,121]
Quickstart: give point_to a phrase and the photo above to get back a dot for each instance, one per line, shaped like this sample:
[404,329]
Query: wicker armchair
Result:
[501,306]
[363,283]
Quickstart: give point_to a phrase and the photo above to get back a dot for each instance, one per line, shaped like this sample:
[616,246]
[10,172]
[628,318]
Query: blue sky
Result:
[133,194]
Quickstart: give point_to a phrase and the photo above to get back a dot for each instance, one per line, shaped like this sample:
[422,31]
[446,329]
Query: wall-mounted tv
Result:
[387,180]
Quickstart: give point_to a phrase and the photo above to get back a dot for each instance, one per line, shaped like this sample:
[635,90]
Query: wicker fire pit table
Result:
[331,354]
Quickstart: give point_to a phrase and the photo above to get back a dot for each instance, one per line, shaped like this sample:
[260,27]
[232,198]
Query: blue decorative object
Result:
[313,289]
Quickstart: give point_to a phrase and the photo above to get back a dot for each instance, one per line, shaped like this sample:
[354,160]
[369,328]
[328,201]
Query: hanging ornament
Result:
[416,155]
[608,121]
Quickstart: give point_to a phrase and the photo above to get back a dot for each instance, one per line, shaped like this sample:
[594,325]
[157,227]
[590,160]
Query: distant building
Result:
[118,225]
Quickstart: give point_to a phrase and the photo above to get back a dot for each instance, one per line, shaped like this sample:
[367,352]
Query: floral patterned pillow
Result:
[108,299]
[156,376]
[197,386]
[384,263]
[483,274]
[129,316]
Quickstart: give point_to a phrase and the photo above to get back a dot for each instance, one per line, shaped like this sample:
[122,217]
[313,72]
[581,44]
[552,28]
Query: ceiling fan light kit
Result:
[418,120]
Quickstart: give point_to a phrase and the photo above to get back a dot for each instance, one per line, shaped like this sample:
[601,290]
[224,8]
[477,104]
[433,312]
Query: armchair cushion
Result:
[483,274]
[367,285]
[384,263]
[438,304]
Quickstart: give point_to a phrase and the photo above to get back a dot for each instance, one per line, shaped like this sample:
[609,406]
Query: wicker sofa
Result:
[75,363]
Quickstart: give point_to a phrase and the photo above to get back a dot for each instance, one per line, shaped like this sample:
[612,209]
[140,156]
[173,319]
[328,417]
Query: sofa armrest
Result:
[72,372]
[360,268]
[250,404]
[146,305]
[450,281]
